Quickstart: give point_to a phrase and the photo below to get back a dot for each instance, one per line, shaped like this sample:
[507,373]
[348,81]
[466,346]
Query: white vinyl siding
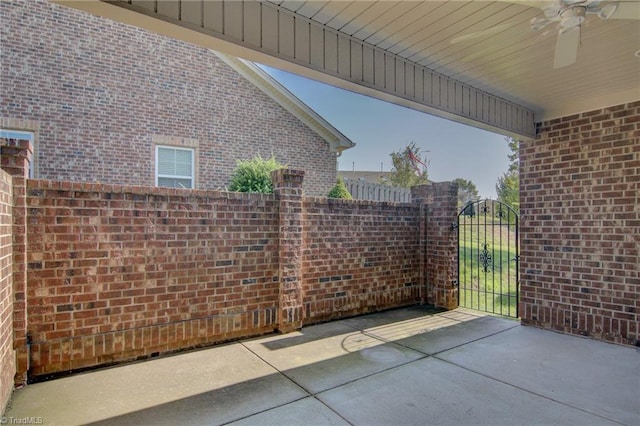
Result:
[174,167]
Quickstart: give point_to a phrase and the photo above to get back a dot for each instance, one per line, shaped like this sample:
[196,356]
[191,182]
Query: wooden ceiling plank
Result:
[365,18]
[494,31]
[292,5]
[392,26]
[397,8]
[593,43]
[354,10]
[414,20]
[329,11]
[442,31]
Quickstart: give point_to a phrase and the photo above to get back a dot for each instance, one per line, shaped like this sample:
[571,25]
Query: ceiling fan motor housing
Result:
[572,16]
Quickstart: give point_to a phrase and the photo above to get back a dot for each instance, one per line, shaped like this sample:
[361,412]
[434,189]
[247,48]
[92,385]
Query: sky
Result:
[379,128]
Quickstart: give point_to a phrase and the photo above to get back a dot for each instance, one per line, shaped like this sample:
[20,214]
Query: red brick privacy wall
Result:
[359,256]
[108,273]
[16,157]
[580,229]
[100,94]
[116,272]
[7,354]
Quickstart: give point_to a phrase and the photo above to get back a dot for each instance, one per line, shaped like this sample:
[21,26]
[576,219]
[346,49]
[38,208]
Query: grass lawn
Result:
[487,272]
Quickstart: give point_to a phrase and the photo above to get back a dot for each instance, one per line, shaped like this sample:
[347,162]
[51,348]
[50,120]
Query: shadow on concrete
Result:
[454,367]
[380,318]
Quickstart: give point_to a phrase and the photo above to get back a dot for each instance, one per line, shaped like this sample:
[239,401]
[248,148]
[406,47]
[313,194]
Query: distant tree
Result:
[467,192]
[508,189]
[409,169]
[340,190]
[508,185]
[514,157]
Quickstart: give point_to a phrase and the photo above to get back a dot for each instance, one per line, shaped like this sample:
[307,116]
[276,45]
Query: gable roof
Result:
[338,142]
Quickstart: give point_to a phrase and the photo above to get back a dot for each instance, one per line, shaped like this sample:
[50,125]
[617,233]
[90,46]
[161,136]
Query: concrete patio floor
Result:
[401,367]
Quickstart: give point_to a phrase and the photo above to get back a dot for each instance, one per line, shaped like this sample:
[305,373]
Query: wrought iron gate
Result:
[488,257]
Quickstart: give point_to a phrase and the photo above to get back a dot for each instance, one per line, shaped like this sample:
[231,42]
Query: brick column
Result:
[7,350]
[440,241]
[16,156]
[15,159]
[421,196]
[287,187]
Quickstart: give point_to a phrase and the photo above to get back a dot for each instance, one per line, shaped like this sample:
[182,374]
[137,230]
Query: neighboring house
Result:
[107,102]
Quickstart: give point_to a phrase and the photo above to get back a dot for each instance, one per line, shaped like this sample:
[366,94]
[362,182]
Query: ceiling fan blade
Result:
[567,47]
[539,4]
[621,10]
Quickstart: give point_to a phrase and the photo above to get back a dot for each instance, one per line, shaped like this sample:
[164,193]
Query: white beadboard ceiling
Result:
[475,61]
[490,46]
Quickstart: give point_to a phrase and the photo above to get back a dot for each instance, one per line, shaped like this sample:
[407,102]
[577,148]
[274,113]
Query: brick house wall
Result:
[580,229]
[100,95]
[7,354]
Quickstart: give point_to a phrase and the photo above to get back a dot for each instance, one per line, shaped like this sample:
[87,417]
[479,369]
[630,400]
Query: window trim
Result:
[193,165]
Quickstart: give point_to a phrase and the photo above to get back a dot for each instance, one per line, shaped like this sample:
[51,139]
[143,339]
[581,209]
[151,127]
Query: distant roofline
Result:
[366,175]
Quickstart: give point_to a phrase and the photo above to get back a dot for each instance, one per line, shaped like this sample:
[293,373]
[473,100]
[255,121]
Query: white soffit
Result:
[475,62]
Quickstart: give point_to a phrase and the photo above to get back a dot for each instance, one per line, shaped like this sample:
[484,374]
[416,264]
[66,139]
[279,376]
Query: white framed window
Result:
[174,167]
[20,134]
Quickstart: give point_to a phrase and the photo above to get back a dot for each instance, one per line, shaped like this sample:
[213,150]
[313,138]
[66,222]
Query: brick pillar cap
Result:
[290,172]
[287,178]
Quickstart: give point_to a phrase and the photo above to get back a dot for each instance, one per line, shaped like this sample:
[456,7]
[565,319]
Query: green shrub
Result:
[340,190]
[254,175]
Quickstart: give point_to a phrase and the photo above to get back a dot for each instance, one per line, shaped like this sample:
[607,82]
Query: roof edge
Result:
[338,142]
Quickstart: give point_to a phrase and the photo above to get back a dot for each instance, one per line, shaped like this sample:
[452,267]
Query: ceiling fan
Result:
[570,14]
